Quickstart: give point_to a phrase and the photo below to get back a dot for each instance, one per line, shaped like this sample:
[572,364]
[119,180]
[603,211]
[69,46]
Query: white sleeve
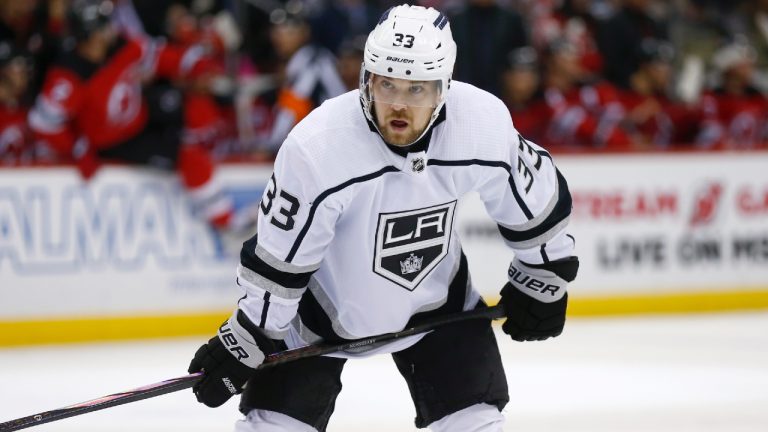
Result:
[530,202]
[292,235]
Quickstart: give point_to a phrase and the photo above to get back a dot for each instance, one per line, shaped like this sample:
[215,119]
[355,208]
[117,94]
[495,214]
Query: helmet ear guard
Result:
[410,43]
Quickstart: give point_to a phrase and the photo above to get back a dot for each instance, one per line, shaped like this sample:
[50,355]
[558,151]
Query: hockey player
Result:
[357,237]
[96,104]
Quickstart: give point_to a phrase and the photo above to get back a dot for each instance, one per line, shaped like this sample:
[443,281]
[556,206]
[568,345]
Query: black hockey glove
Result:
[535,298]
[229,359]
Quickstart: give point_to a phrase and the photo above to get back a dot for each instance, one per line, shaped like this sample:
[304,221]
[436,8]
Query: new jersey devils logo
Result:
[124,102]
[410,244]
[706,204]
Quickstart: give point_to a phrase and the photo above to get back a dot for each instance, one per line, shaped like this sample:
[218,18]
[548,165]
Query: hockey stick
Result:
[184,382]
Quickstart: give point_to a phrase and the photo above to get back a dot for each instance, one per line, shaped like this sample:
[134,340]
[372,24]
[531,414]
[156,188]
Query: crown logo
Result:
[412,264]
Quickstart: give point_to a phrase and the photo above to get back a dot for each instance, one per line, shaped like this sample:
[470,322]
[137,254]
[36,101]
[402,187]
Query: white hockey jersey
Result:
[355,240]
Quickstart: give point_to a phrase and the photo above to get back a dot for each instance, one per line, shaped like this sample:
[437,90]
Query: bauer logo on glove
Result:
[530,282]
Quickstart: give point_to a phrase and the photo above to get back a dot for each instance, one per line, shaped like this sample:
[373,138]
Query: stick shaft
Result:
[187,381]
[101,403]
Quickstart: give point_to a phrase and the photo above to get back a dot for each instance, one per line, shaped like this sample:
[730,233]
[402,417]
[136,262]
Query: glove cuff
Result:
[240,342]
[541,284]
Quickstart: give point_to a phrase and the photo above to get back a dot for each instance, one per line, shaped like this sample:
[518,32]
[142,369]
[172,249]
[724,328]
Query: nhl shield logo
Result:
[417,165]
[410,244]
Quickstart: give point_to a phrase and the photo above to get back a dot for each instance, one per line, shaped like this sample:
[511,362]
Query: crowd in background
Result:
[196,81]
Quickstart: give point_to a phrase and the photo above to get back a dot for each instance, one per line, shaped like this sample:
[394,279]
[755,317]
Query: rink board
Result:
[123,256]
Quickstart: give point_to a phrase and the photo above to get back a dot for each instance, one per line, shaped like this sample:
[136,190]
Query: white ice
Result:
[695,373]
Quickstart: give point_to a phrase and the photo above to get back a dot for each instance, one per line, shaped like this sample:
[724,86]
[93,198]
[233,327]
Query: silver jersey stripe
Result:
[325,303]
[281,265]
[304,332]
[542,216]
[541,239]
[273,288]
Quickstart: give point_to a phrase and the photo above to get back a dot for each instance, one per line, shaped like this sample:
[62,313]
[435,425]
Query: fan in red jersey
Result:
[653,118]
[102,100]
[735,111]
[570,111]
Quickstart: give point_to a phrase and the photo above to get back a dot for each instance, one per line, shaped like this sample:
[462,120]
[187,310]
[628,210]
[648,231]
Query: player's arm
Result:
[174,62]
[52,121]
[275,267]
[532,205]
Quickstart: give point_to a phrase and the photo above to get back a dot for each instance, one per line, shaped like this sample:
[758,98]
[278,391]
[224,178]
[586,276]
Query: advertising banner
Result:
[668,223]
[127,243]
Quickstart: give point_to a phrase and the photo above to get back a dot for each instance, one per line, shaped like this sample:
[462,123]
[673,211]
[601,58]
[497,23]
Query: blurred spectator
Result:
[329,23]
[15,72]
[653,119]
[209,116]
[574,21]
[33,26]
[92,106]
[362,16]
[735,111]
[520,87]
[754,25]
[485,33]
[620,39]
[350,59]
[216,34]
[571,112]
[255,21]
[308,73]
[697,33]
[520,79]
[213,27]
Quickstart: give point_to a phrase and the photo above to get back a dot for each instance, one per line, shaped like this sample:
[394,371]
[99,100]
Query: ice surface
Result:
[695,373]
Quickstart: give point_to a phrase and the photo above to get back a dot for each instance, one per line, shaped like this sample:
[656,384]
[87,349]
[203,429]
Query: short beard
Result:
[400,140]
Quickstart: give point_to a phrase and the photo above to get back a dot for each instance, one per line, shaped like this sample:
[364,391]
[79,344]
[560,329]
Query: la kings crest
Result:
[411,243]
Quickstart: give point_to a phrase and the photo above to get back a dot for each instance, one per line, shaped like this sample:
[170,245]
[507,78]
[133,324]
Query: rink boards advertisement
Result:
[648,228]
[686,228]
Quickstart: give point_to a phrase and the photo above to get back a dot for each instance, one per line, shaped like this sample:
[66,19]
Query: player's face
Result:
[403,107]
[16,75]
[106,34]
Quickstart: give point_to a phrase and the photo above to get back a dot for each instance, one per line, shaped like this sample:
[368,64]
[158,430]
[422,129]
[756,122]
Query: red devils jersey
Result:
[733,121]
[658,121]
[104,103]
[586,116]
[579,31]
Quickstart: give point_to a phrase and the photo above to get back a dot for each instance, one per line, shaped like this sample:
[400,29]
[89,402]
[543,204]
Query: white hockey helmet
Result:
[411,43]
